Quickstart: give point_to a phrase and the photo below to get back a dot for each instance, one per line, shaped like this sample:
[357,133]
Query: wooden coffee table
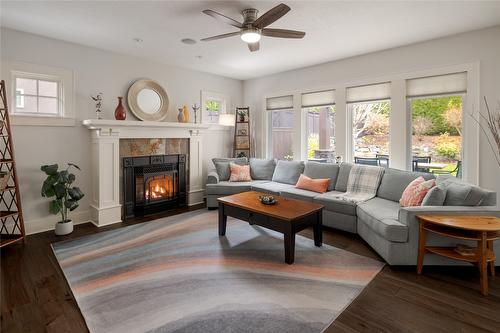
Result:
[288,216]
[483,229]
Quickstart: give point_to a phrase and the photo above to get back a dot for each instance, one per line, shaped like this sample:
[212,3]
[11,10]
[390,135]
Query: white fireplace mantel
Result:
[105,142]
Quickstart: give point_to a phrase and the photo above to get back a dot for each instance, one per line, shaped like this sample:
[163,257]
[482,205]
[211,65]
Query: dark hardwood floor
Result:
[36,298]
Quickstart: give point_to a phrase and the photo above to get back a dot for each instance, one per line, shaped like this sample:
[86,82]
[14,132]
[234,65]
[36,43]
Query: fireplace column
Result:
[105,203]
[195,191]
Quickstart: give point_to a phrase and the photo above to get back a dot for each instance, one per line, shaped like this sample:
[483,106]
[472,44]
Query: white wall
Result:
[95,71]
[481,46]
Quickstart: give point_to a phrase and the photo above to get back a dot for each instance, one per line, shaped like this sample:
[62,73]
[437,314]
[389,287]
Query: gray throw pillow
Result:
[343,178]
[459,193]
[262,169]
[317,170]
[222,166]
[288,172]
[435,196]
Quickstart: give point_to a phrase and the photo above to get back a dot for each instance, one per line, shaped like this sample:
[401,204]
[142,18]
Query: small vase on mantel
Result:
[120,113]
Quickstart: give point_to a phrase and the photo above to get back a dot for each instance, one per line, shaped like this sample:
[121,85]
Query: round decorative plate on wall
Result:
[148,100]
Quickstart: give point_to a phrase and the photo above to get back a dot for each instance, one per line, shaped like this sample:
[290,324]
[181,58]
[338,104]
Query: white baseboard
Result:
[48,223]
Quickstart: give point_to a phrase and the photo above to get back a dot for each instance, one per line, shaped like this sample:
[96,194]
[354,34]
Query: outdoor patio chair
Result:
[366,160]
[420,159]
[383,160]
[457,171]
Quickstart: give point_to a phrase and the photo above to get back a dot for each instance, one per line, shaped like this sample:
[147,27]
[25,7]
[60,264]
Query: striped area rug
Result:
[177,275]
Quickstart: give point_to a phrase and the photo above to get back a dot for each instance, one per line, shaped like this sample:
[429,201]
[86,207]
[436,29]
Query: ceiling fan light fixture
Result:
[250,35]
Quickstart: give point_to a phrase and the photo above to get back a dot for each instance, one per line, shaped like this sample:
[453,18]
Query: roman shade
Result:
[455,83]
[279,103]
[372,92]
[318,98]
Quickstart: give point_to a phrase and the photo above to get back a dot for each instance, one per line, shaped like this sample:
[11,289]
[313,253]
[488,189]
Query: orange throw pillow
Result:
[315,185]
[239,173]
[414,193]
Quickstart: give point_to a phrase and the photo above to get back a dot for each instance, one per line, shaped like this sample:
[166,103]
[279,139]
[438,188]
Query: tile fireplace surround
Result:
[105,140]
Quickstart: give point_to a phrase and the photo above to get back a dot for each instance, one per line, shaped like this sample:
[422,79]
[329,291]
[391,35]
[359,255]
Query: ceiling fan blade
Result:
[254,46]
[223,18]
[283,33]
[231,34]
[271,16]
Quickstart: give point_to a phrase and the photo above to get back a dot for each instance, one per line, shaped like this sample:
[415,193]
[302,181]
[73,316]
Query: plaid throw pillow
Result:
[239,173]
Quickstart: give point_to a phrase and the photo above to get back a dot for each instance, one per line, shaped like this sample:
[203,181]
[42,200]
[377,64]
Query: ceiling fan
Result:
[254,27]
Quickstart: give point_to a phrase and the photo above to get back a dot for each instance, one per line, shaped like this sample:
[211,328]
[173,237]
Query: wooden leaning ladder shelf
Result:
[11,215]
[242,140]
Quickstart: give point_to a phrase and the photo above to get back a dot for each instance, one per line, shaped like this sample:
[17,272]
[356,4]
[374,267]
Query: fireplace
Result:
[152,184]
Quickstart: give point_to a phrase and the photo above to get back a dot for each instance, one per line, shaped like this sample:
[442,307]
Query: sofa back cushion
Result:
[343,177]
[459,193]
[262,169]
[222,166]
[317,170]
[435,196]
[395,181]
[288,172]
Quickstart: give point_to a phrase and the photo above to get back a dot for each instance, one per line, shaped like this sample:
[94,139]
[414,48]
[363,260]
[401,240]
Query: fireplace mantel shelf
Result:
[100,123]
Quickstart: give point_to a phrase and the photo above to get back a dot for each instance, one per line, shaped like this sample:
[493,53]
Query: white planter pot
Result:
[64,228]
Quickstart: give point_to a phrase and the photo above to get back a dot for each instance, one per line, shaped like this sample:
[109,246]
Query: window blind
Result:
[279,103]
[318,98]
[455,83]
[372,92]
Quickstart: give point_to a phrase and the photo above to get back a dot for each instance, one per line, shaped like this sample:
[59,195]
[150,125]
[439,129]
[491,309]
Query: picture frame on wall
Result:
[242,142]
[242,129]
[212,105]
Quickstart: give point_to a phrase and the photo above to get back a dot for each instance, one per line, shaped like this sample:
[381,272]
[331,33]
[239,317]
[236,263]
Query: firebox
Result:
[152,184]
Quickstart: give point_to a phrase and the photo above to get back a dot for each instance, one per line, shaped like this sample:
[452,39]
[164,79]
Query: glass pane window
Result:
[37,97]
[212,109]
[437,134]
[320,132]
[282,123]
[370,131]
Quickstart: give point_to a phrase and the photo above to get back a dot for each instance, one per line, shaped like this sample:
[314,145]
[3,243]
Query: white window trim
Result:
[225,106]
[63,76]
[21,104]
[399,115]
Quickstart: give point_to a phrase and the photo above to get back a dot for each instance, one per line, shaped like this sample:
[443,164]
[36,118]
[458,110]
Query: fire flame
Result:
[160,189]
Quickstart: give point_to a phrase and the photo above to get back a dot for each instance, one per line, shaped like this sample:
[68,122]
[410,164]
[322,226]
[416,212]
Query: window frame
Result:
[38,77]
[350,116]
[225,106]
[66,115]
[304,111]
[270,150]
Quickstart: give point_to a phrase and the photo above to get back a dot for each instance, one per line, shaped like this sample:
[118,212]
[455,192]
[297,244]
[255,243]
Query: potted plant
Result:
[242,114]
[65,197]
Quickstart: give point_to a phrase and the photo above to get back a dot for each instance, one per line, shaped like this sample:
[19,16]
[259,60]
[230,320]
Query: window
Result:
[435,105]
[213,105]
[36,96]
[369,107]
[319,108]
[281,124]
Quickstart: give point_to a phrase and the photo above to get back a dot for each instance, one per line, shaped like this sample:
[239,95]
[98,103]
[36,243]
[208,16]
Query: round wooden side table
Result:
[483,229]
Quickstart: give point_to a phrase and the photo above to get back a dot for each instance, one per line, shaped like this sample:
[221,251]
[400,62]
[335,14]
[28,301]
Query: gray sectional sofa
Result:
[388,228]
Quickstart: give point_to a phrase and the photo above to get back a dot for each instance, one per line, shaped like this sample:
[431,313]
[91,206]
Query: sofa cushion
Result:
[288,172]
[228,188]
[271,187]
[395,181]
[334,204]
[414,193]
[435,196]
[297,193]
[222,166]
[343,177]
[262,169]
[459,193]
[323,170]
[381,216]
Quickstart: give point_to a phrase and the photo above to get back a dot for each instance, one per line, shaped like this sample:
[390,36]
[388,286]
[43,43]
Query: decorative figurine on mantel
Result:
[98,104]
[180,116]
[120,113]
[195,110]
[186,114]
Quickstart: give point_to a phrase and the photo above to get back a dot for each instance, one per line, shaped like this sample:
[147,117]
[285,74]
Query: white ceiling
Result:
[334,30]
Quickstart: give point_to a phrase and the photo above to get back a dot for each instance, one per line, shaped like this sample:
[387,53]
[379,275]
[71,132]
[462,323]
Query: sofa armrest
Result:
[408,215]
[212,177]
